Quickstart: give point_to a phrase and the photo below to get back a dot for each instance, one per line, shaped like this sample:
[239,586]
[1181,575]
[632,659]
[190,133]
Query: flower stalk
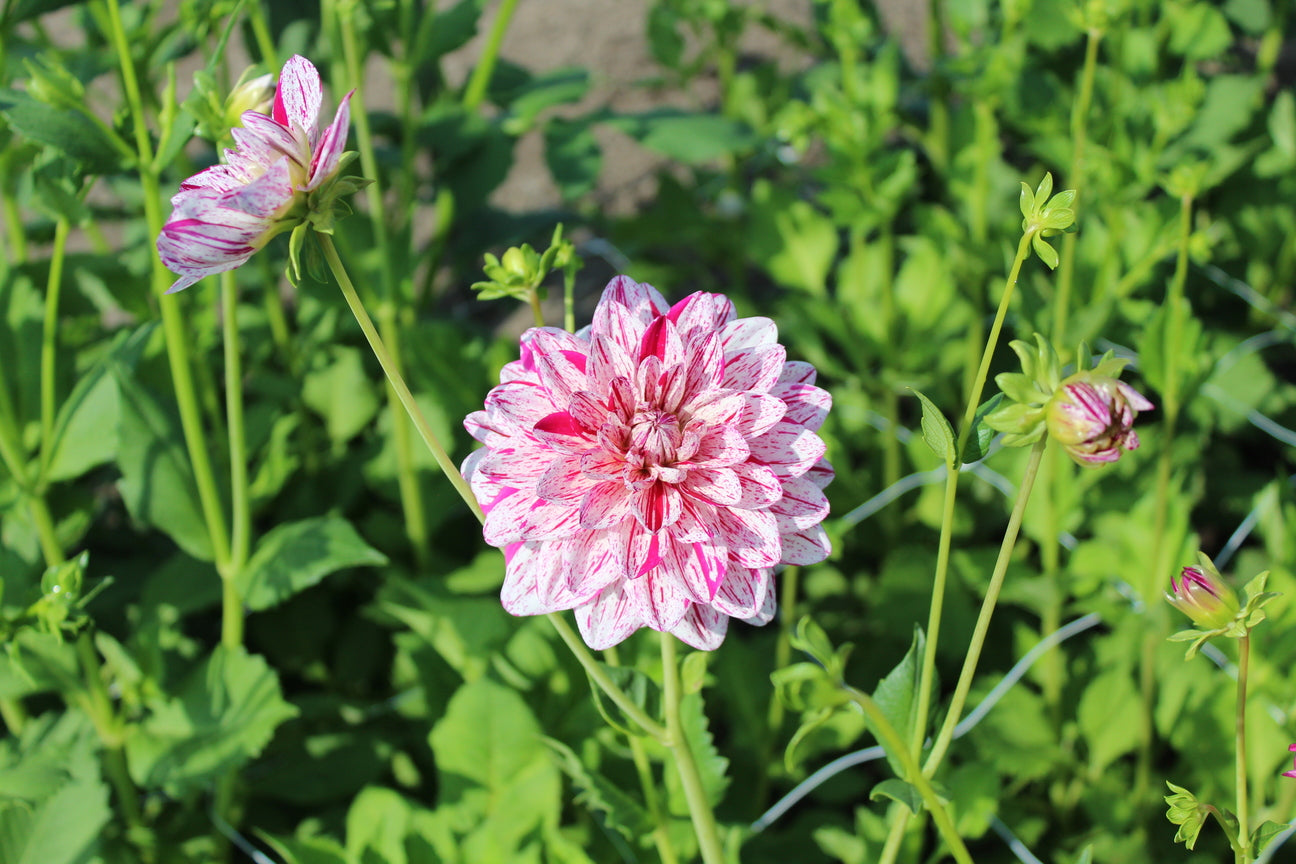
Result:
[703,818]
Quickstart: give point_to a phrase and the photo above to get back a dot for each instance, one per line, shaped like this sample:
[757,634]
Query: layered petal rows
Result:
[652,469]
[226,213]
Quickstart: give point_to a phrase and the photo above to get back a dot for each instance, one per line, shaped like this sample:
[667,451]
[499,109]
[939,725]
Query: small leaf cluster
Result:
[1044,216]
[521,270]
[1190,814]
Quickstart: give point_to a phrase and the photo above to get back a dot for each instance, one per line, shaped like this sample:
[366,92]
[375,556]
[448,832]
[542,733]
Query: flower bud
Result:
[1092,416]
[1291,773]
[1202,596]
[253,94]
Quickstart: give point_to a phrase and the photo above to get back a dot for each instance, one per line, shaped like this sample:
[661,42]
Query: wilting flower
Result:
[1092,417]
[652,469]
[1202,595]
[1291,773]
[281,174]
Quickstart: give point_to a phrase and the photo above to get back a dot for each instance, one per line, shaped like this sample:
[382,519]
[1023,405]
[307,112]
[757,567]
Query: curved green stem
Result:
[601,679]
[1239,768]
[704,824]
[99,706]
[411,493]
[241,508]
[951,491]
[49,338]
[17,238]
[393,375]
[13,458]
[475,91]
[648,783]
[913,774]
[946,734]
[172,325]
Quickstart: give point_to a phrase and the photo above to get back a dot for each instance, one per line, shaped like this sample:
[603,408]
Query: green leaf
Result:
[642,690]
[297,555]
[70,132]
[791,239]
[307,850]
[1106,701]
[1263,834]
[898,790]
[684,136]
[1046,252]
[897,696]
[693,671]
[85,428]
[573,156]
[62,829]
[341,392]
[978,442]
[224,715]
[599,795]
[937,431]
[157,481]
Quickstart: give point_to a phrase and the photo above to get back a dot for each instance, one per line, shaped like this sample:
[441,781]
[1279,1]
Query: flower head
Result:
[1092,416]
[1202,595]
[1291,773]
[280,174]
[653,468]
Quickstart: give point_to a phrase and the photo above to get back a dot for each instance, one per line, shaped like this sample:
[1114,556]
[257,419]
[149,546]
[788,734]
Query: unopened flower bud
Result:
[1291,773]
[1092,416]
[1203,597]
[255,94]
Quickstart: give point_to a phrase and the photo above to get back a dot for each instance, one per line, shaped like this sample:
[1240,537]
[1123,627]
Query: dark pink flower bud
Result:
[1092,416]
[1203,597]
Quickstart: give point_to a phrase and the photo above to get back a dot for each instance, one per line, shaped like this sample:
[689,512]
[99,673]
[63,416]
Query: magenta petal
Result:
[328,152]
[298,96]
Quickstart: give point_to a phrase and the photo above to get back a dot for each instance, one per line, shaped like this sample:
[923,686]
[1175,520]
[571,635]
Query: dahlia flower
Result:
[1092,417]
[282,173]
[652,469]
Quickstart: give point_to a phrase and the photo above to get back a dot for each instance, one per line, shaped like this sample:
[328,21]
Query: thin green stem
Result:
[172,325]
[479,81]
[407,472]
[99,706]
[261,33]
[601,679]
[788,584]
[648,783]
[1164,549]
[1239,768]
[393,375]
[17,238]
[49,337]
[940,578]
[14,715]
[533,300]
[704,824]
[982,626]
[912,773]
[938,107]
[1079,130]
[240,499]
[14,459]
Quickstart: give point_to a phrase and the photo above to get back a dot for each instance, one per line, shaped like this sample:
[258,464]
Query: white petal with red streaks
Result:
[506,519]
[760,486]
[605,505]
[759,414]
[608,620]
[560,362]
[806,404]
[533,583]
[750,535]
[703,628]
[803,504]
[564,482]
[661,598]
[265,197]
[765,614]
[715,485]
[806,547]
[753,368]
[591,564]
[743,592]
[518,406]
[789,449]
[748,333]
[797,372]
[262,142]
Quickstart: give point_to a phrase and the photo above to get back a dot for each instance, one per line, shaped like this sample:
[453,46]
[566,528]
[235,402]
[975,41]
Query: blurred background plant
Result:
[855,183]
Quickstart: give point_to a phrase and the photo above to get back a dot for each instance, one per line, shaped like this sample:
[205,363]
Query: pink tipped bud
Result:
[1204,598]
[1291,773]
[1092,416]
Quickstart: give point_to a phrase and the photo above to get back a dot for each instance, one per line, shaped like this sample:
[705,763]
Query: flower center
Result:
[655,437]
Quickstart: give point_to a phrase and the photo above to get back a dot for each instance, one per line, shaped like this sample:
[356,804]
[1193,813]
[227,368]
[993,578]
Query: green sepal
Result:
[1186,812]
[982,433]
[898,790]
[1263,834]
